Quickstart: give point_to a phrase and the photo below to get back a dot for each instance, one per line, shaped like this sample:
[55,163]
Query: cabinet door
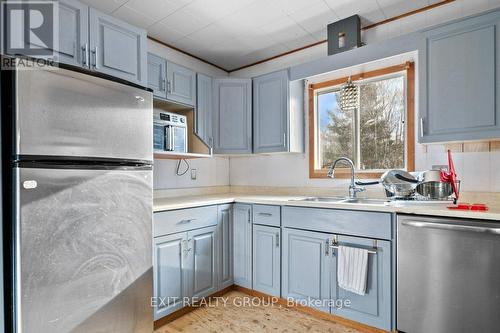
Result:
[306,267]
[203,124]
[266,260]
[73,33]
[458,89]
[270,112]
[170,279]
[117,48]
[242,245]
[225,240]
[202,266]
[157,75]
[373,308]
[232,116]
[181,84]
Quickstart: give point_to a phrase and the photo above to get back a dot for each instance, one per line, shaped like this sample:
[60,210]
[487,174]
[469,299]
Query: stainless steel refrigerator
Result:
[82,207]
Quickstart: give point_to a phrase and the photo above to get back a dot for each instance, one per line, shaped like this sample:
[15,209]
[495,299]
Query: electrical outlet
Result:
[193,174]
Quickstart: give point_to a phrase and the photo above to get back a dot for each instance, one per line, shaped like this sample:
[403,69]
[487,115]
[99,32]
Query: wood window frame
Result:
[409,68]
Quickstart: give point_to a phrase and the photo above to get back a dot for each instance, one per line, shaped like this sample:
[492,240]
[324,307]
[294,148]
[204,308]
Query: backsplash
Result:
[209,172]
[477,168]
[476,163]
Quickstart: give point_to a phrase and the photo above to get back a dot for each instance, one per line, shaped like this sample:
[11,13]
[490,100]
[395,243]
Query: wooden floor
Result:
[257,317]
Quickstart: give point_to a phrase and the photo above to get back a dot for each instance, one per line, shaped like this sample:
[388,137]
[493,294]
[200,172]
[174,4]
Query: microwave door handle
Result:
[168,135]
[173,138]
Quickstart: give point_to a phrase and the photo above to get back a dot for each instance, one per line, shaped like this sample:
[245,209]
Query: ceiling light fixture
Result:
[349,95]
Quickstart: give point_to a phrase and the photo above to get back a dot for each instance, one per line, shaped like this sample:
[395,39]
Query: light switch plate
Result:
[193,174]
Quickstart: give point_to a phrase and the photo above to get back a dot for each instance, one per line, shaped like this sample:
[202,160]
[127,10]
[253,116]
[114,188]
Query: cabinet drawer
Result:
[347,222]
[267,215]
[183,220]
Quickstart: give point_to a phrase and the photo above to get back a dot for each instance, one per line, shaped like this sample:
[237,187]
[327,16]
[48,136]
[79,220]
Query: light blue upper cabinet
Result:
[267,259]
[270,112]
[170,277]
[181,84]
[73,33]
[232,116]
[157,75]
[242,245]
[204,107]
[306,267]
[277,113]
[458,73]
[225,241]
[117,48]
[373,308]
[202,265]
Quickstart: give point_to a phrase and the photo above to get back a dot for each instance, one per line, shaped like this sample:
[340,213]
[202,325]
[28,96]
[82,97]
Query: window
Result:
[377,134]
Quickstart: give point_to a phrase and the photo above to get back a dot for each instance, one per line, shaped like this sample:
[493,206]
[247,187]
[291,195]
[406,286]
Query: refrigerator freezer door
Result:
[84,251]
[66,113]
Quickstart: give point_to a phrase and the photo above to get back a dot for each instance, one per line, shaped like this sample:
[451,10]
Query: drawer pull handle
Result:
[266,214]
[186,221]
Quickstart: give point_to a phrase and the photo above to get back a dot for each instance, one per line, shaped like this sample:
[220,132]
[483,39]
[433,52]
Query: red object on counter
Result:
[465,206]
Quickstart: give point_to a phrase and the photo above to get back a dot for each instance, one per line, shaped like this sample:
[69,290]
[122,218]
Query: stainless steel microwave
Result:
[169,132]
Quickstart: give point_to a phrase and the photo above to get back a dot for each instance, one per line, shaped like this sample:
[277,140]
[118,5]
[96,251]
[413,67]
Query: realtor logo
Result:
[30,28]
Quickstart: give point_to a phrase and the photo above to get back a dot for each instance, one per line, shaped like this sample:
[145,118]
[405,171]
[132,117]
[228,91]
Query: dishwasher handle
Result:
[452,227]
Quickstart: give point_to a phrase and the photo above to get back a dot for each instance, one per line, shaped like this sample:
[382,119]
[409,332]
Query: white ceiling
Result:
[234,33]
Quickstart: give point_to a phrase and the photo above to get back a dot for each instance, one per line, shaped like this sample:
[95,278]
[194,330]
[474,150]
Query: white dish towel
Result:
[352,269]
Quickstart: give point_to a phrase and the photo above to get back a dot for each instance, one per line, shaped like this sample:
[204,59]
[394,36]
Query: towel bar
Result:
[369,251]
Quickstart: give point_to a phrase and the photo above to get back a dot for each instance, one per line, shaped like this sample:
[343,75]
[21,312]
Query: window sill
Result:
[345,174]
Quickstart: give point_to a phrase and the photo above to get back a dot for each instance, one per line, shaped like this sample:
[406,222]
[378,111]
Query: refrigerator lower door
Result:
[83,250]
[65,113]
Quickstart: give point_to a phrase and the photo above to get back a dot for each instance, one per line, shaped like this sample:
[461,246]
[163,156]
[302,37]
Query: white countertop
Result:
[431,209]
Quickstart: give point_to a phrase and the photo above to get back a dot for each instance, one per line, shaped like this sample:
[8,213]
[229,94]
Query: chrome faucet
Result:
[353,189]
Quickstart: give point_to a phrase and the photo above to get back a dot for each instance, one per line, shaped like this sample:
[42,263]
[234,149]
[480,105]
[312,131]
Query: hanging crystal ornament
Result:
[349,96]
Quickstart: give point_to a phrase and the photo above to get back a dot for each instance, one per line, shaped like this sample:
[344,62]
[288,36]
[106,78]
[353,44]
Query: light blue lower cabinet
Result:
[306,268]
[310,277]
[242,245]
[193,263]
[373,308]
[225,241]
[202,265]
[170,275]
[267,259]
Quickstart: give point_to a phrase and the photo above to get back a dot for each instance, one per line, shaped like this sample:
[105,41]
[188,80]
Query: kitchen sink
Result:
[366,201]
[320,199]
[344,200]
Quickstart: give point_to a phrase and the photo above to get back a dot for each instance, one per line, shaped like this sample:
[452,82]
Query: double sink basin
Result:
[363,201]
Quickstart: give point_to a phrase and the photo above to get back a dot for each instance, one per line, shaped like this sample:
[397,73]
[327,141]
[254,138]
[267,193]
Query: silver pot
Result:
[394,187]
[435,190]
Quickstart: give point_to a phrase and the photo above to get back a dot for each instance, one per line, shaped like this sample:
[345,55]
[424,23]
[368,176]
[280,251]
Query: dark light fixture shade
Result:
[344,35]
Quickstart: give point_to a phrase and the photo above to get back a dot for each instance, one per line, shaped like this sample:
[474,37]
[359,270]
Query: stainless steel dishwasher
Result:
[448,275]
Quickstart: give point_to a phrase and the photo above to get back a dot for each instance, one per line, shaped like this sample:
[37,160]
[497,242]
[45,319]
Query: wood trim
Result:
[410,116]
[187,53]
[181,312]
[360,76]
[411,12]
[310,311]
[409,67]
[391,19]
[278,56]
